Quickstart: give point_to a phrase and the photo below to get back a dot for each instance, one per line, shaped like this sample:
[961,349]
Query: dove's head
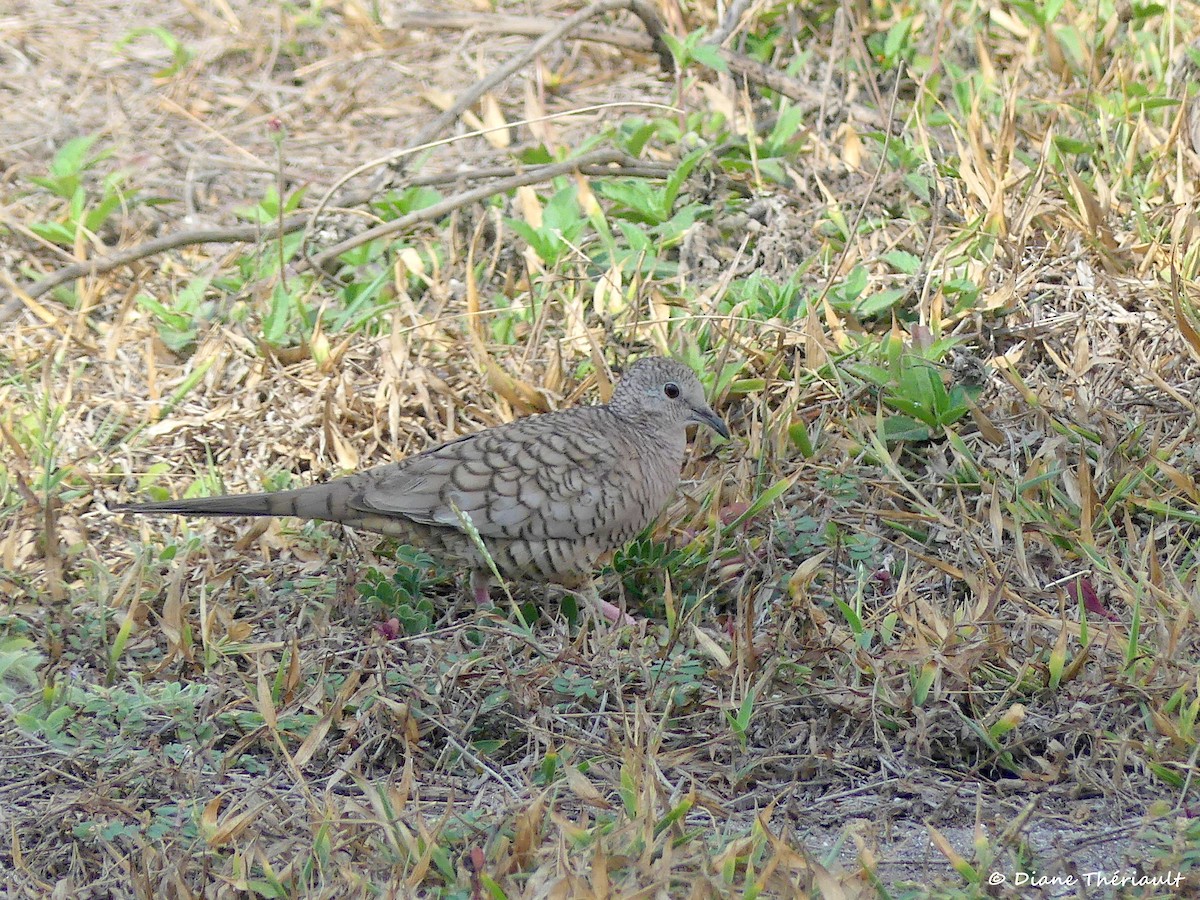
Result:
[664,391]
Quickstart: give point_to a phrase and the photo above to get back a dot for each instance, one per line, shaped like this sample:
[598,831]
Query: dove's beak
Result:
[705,416]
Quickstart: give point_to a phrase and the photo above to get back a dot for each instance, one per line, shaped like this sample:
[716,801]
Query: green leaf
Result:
[98,214]
[1050,10]
[72,157]
[1072,146]
[761,502]
[165,315]
[903,428]
[678,813]
[845,293]
[562,213]
[639,242]
[676,179]
[852,618]
[903,261]
[897,38]
[180,55]
[913,408]
[773,170]
[787,125]
[798,434]
[64,186]
[870,373]
[922,682]
[275,323]
[710,57]
[676,46]
[635,135]
[879,302]
[636,195]
[54,232]
[1168,775]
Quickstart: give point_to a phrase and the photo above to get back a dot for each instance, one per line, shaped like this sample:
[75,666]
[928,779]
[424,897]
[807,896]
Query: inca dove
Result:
[549,494]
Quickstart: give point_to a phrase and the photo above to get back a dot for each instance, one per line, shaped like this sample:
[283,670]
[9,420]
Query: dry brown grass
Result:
[884,677]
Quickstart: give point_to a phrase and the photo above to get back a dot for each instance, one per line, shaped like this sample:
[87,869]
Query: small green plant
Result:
[694,49]
[770,155]
[798,534]
[903,155]
[642,564]
[37,428]
[402,596]
[399,203]
[510,319]
[269,256]
[896,46]
[576,684]
[911,384]
[920,394]
[1175,842]
[683,677]
[759,296]
[287,312]
[88,208]
[19,662]
[649,202]
[739,722]
[179,322]
[89,718]
[563,224]
[166,820]
[268,210]
[180,54]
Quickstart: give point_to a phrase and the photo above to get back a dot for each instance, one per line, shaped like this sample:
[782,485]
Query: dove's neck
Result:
[656,439]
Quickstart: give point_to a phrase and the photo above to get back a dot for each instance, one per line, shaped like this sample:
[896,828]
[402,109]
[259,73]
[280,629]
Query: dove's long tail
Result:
[325,501]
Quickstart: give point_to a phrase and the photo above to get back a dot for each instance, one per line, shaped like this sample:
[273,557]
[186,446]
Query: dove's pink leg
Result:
[479,587]
[606,609]
[614,614]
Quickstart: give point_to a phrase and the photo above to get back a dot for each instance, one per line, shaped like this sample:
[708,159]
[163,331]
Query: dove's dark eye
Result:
[671,389]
